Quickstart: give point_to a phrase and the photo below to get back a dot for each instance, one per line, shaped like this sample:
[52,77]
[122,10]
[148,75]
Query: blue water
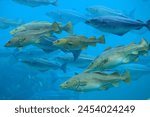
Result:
[18,81]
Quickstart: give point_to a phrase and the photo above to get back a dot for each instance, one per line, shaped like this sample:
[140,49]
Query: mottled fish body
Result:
[94,81]
[113,57]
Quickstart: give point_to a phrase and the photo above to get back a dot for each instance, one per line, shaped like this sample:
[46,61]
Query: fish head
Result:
[15,42]
[60,43]
[94,21]
[19,29]
[70,84]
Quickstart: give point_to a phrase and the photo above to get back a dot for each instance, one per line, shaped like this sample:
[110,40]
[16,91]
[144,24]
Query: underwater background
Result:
[20,82]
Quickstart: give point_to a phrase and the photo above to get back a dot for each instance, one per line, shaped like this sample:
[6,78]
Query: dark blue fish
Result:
[116,25]
[46,44]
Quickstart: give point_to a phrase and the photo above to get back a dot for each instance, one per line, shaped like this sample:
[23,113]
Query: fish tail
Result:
[145,45]
[127,77]
[63,67]
[148,24]
[68,28]
[101,39]
[55,3]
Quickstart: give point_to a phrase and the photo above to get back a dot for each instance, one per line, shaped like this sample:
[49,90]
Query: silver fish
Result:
[36,3]
[43,65]
[113,57]
[82,62]
[66,15]
[116,25]
[6,23]
[103,11]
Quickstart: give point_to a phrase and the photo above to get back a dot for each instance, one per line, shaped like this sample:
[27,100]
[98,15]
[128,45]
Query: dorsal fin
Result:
[82,37]
[92,38]
[108,48]
[115,73]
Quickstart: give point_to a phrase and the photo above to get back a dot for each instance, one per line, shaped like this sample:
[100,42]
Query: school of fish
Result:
[98,73]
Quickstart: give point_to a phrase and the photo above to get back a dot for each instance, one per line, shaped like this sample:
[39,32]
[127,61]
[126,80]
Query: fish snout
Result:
[8,44]
[63,86]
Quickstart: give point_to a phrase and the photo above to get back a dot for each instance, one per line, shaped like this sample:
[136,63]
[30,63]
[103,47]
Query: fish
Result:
[117,25]
[43,65]
[82,62]
[46,44]
[133,67]
[113,57]
[66,15]
[43,25]
[103,11]
[26,38]
[76,44]
[95,81]
[6,23]
[36,3]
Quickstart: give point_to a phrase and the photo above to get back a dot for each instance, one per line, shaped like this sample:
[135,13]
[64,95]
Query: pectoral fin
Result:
[126,60]
[115,84]
[135,52]
[104,88]
[83,83]
[76,54]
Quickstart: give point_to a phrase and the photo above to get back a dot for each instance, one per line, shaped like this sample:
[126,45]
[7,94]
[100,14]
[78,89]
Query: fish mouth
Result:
[63,86]
[7,45]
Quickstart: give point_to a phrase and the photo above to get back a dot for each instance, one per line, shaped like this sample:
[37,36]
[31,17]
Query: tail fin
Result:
[55,3]
[101,39]
[148,24]
[144,43]
[76,54]
[56,27]
[68,28]
[63,67]
[127,77]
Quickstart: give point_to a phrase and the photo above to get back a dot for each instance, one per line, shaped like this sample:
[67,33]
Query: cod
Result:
[95,81]
[43,25]
[25,38]
[76,44]
[113,57]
